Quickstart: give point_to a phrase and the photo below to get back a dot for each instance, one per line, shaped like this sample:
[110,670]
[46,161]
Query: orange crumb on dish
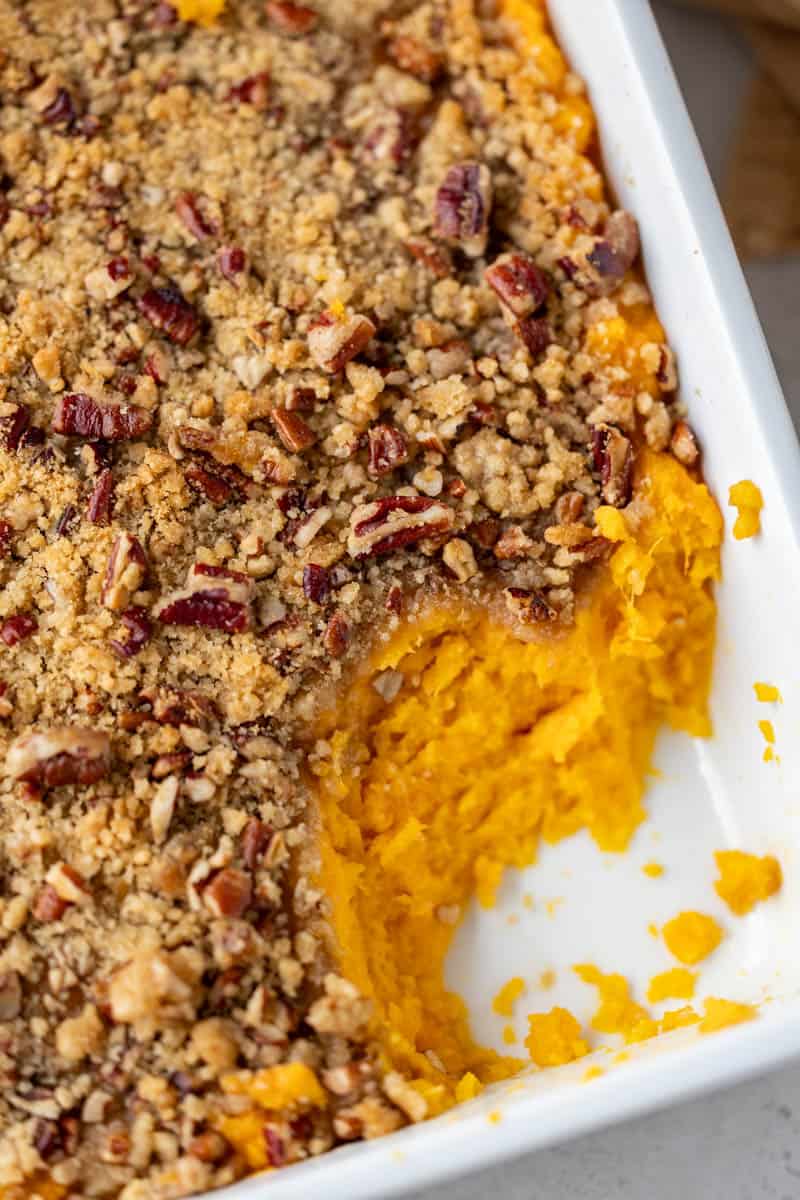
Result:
[547,979]
[767,693]
[204,12]
[653,929]
[509,1035]
[642,1031]
[495,1117]
[769,755]
[745,879]
[555,1038]
[622,1057]
[747,498]
[618,1011]
[592,1073]
[527,901]
[767,731]
[678,1018]
[468,1087]
[675,984]
[506,998]
[653,869]
[692,936]
[720,1013]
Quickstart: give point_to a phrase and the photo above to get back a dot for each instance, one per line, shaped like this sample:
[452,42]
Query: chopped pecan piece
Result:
[592,550]
[168,310]
[188,209]
[126,572]
[308,528]
[394,138]
[536,333]
[64,522]
[168,764]
[667,373]
[569,507]
[459,557]
[61,755]
[140,629]
[213,598]
[157,365]
[435,258]
[570,534]
[252,453]
[614,253]
[162,806]
[68,884]
[316,583]
[232,262]
[48,905]
[256,837]
[302,399]
[209,1147]
[414,56]
[513,543]
[294,19]
[336,637]
[396,521]
[62,110]
[229,893]
[684,444]
[208,484]
[219,485]
[293,431]
[254,90]
[79,415]
[520,286]
[10,995]
[388,450]
[17,628]
[109,281]
[529,607]
[13,426]
[332,343]
[463,204]
[98,510]
[613,458]
[180,708]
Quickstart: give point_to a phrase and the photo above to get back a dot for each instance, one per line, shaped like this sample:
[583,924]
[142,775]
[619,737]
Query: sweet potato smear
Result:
[489,744]
[745,879]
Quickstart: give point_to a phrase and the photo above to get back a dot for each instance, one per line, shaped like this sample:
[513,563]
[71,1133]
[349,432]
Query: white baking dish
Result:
[710,795]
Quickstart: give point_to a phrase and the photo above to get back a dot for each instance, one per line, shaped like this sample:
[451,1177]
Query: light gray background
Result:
[743,1144]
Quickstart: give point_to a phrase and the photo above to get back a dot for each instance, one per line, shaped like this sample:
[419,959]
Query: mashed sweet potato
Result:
[492,744]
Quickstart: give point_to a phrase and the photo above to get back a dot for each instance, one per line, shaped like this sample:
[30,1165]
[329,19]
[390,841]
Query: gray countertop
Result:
[743,1144]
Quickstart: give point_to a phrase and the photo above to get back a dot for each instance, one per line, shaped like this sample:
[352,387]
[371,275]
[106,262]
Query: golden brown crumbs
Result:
[304,315]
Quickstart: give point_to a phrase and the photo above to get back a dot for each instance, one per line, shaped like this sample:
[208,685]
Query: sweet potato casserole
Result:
[352,541]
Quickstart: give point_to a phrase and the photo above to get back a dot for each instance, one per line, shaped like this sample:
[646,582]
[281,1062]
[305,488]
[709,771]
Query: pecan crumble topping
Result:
[304,316]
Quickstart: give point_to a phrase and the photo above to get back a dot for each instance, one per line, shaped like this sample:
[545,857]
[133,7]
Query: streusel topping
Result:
[304,315]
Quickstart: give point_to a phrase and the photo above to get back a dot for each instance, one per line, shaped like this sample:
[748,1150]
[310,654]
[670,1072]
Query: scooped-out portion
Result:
[460,747]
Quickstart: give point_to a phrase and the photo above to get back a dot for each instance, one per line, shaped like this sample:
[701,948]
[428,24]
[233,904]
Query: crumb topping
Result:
[306,312]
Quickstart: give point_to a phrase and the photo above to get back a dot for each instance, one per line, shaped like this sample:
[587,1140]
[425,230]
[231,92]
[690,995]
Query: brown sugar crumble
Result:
[293,331]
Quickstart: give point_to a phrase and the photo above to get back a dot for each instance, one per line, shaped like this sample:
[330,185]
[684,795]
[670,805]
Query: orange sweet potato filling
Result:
[492,744]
